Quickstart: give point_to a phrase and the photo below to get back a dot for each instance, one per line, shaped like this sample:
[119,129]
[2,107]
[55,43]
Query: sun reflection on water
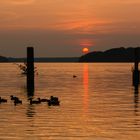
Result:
[86,86]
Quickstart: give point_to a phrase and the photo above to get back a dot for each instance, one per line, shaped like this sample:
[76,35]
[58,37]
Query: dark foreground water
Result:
[100,104]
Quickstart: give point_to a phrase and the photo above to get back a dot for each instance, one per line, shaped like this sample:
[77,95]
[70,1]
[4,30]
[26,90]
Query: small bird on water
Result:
[74,76]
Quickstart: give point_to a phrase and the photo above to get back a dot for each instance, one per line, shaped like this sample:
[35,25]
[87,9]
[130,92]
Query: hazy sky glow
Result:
[64,27]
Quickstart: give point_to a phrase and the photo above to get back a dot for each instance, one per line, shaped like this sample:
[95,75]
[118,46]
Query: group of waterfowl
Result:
[53,101]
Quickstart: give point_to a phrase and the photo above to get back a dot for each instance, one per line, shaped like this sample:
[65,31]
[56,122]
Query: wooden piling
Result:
[30,70]
[136,72]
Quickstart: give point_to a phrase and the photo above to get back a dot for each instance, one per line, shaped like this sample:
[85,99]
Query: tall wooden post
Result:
[30,70]
[136,72]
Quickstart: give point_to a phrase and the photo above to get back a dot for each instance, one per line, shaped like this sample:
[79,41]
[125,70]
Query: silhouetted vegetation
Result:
[23,68]
[112,55]
[3,59]
[47,59]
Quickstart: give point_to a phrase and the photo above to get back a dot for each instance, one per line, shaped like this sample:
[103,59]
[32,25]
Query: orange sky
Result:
[58,27]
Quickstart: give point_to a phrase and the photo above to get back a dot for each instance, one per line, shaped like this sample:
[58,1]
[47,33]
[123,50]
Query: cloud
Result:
[7,16]
[130,2]
[20,2]
[87,26]
[119,2]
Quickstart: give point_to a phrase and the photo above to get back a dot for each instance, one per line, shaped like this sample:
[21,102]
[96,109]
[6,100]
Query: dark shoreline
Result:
[115,55]
[62,62]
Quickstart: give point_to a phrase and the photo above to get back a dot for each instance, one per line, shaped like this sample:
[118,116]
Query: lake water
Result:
[99,104]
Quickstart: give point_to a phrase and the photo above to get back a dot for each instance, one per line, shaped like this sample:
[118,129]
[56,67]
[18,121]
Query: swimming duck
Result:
[53,101]
[42,100]
[3,100]
[14,97]
[34,101]
[74,76]
[17,101]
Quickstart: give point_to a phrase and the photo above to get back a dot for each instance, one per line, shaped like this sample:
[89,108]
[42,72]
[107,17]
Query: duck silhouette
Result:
[42,100]
[53,101]
[17,101]
[34,101]
[74,76]
[3,100]
[14,97]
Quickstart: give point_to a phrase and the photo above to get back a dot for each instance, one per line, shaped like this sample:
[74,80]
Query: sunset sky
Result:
[59,28]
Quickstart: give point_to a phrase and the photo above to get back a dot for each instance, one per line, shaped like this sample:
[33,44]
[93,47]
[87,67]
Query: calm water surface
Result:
[100,104]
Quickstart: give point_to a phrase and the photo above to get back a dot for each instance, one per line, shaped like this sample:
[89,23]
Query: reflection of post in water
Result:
[136,72]
[30,111]
[136,97]
[136,105]
[86,86]
[136,77]
[30,71]
[31,121]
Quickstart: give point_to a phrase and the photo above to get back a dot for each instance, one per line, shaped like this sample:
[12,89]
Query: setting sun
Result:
[85,50]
